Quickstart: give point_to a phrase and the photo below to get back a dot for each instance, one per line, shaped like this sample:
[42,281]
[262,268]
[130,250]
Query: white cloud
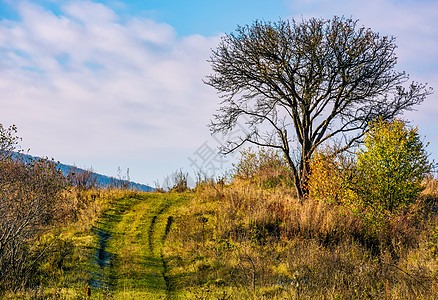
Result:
[90,13]
[85,85]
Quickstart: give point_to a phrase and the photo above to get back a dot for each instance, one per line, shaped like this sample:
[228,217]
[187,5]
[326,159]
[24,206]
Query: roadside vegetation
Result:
[254,239]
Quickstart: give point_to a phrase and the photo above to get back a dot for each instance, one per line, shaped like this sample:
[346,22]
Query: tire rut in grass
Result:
[102,260]
[153,241]
[151,232]
[143,223]
[165,266]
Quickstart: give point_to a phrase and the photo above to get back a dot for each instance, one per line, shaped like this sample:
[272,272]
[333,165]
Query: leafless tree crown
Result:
[300,84]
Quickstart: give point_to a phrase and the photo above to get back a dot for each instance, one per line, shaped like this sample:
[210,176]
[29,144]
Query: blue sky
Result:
[203,17]
[119,83]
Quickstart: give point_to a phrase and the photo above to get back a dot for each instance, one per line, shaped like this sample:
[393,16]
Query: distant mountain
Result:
[103,180]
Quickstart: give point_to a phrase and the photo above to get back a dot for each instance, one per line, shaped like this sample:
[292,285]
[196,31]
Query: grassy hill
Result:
[245,238]
[236,241]
[114,249]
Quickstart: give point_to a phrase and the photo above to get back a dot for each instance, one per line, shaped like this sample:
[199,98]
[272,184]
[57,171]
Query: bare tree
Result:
[82,179]
[31,202]
[302,84]
[8,141]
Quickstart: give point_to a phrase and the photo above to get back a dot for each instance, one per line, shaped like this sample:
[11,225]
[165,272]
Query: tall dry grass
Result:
[246,241]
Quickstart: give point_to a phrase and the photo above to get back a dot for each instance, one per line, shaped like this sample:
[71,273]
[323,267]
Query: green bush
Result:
[381,184]
[384,177]
[391,167]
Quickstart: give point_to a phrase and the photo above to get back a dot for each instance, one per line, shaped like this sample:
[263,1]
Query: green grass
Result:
[137,237]
[136,268]
[239,241]
[115,248]
[126,231]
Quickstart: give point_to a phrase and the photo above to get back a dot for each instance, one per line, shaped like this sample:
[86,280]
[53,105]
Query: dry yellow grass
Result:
[244,241]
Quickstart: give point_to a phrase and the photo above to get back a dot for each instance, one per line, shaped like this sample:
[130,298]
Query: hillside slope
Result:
[128,261]
[236,241]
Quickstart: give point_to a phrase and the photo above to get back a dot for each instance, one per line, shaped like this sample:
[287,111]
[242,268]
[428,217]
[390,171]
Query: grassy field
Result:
[113,251]
[243,240]
[129,262]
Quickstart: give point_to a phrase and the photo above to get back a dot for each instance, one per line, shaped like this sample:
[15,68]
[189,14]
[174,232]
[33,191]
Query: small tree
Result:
[266,166]
[391,167]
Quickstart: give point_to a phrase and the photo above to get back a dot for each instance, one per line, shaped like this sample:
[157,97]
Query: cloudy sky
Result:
[112,83]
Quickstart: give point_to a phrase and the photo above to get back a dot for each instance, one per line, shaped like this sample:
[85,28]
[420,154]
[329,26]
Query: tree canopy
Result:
[297,85]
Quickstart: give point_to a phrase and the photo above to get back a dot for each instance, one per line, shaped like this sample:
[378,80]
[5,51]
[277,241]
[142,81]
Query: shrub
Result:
[83,180]
[265,166]
[31,194]
[329,176]
[180,181]
[122,182]
[385,176]
[381,185]
[8,141]
[391,167]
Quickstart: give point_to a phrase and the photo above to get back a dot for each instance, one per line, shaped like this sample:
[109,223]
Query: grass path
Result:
[129,261]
